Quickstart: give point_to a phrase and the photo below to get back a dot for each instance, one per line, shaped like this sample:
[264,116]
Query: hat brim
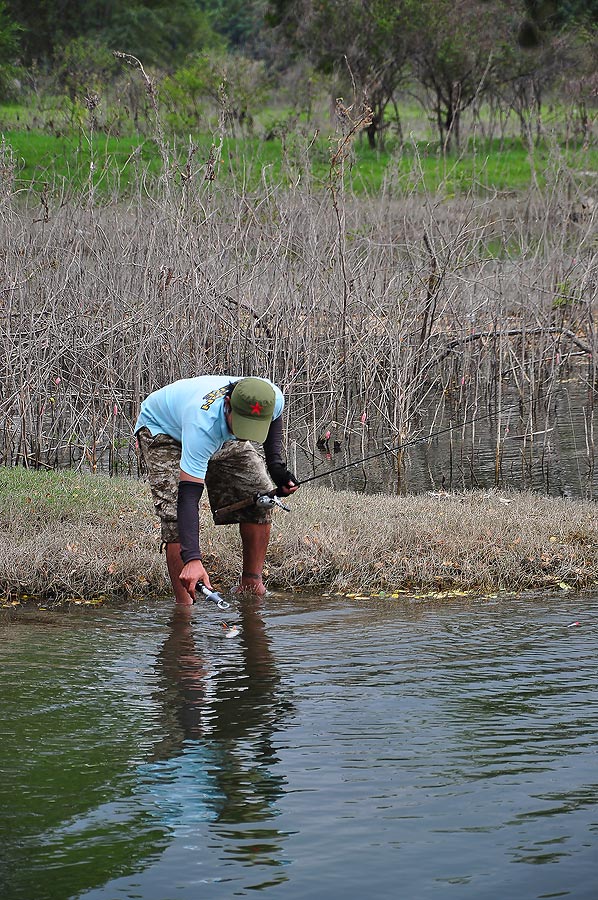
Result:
[250,429]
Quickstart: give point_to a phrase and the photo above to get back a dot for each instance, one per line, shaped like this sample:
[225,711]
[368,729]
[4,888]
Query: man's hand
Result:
[285,490]
[193,572]
[285,481]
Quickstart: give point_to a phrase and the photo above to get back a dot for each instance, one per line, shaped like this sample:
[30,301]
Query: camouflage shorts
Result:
[235,472]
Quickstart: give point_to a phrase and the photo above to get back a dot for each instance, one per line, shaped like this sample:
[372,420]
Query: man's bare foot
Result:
[250,586]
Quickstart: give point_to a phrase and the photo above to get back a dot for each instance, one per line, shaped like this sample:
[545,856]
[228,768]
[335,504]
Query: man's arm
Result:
[189,495]
[286,483]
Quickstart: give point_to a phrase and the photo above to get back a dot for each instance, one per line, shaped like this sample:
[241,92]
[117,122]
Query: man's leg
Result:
[161,455]
[175,567]
[255,538]
[235,473]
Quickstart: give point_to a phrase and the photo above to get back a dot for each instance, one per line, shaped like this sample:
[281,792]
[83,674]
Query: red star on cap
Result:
[256,409]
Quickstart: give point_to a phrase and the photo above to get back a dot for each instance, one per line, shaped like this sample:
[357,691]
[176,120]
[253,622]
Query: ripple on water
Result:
[334,746]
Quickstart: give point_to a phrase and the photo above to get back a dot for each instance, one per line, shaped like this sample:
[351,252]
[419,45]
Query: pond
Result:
[335,748]
[553,451]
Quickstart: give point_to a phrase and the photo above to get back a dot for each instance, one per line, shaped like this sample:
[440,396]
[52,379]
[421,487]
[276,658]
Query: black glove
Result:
[281,476]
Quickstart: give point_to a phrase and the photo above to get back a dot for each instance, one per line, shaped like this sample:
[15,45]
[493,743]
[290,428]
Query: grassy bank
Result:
[66,537]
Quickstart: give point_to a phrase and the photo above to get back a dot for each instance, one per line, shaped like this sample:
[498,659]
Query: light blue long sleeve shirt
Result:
[191,411]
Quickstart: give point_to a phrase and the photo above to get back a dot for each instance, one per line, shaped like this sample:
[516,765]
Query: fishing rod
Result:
[269,499]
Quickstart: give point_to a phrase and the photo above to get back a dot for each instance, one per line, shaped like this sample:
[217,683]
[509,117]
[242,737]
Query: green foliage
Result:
[9,47]
[233,85]
[9,34]
[48,23]
[459,48]
[566,294]
[184,95]
[546,19]
[238,21]
[364,47]
[553,14]
[83,66]
[160,33]
[156,31]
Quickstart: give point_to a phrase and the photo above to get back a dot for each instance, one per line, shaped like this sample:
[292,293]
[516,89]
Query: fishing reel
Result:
[268,502]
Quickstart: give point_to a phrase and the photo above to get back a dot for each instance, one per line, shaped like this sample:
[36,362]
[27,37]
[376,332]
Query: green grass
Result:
[66,494]
[422,166]
[119,162]
[56,160]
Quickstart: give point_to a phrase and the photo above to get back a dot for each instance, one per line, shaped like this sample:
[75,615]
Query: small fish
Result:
[230,631]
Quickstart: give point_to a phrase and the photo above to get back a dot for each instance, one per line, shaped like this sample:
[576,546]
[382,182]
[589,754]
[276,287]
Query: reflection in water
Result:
[215,759]
[68,736]
[447,748]
[105,780]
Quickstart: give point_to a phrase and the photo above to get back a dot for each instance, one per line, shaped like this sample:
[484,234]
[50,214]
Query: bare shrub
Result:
[368,316]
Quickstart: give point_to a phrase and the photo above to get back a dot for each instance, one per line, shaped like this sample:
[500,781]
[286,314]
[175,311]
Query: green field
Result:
[77,161]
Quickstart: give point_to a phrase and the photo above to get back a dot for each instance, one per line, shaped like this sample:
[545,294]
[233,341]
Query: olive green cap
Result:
[252,407]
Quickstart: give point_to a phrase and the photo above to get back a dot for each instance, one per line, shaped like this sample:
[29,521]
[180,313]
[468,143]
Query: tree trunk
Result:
[372,131]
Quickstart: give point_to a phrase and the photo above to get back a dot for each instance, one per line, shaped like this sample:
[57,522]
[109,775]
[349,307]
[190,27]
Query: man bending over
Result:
[198,431]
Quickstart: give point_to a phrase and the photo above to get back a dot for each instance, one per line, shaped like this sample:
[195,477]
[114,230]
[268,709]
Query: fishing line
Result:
[403,445]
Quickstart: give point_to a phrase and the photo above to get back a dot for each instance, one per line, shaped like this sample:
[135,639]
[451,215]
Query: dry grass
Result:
[70,536]
[472,541]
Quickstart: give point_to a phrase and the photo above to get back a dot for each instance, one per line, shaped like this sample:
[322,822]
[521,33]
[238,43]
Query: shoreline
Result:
[92,539]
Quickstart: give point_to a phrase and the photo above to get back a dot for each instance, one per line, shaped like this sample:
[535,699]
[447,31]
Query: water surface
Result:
[336,748]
